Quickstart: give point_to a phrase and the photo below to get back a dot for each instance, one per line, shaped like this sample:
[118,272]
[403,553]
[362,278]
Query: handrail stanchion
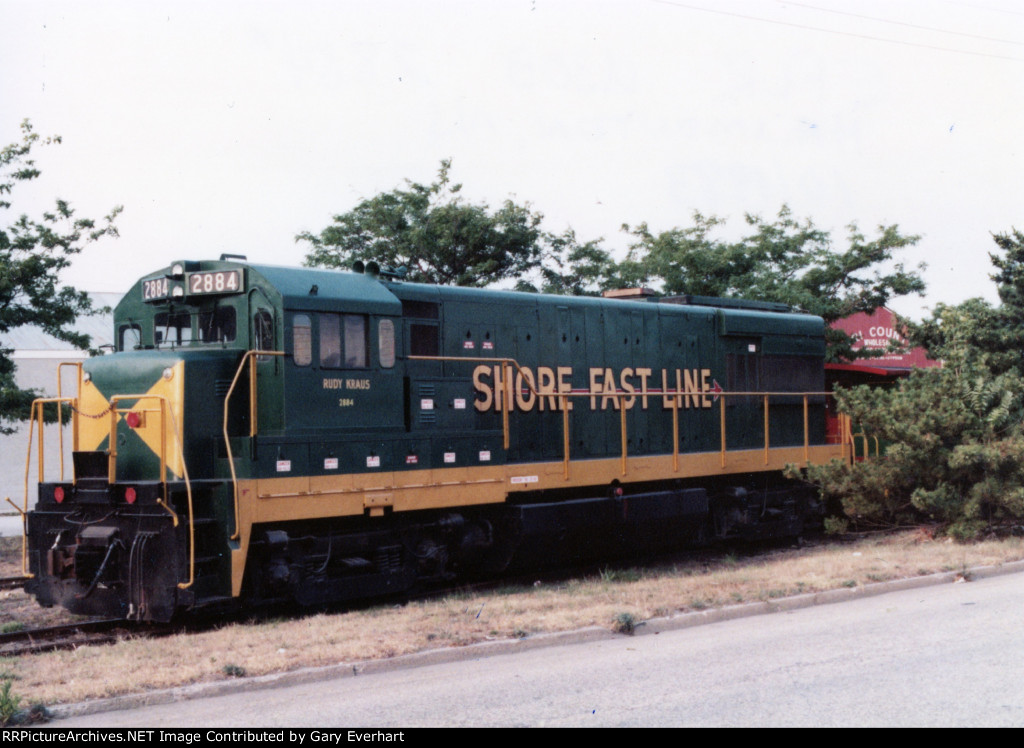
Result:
[722,426]
[564,400]
[766,430]
[675,434]
[249,357]
[807,434]
[622,429]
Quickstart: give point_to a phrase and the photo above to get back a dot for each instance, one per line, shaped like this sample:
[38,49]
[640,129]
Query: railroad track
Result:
[69,636]
[12,583]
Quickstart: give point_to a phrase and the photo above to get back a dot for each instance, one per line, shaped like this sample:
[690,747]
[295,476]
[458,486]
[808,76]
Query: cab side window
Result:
[263,331]
[129,337]
[302,340]
[343,341]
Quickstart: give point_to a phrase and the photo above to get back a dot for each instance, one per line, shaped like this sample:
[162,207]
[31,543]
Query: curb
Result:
[510,646]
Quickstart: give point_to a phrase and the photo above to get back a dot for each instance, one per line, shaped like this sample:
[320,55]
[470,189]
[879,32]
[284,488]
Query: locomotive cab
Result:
[132,531]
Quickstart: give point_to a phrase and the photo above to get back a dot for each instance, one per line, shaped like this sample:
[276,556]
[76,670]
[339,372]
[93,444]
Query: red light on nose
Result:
[129,495]
[58,494]
[133,419]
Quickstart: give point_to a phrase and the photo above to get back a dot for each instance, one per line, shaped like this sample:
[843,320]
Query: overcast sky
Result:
[233,126]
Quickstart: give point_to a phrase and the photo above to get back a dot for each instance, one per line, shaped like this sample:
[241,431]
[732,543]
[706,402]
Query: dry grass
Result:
[605,599]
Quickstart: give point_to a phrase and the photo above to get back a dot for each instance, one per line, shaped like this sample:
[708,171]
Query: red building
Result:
[874,332]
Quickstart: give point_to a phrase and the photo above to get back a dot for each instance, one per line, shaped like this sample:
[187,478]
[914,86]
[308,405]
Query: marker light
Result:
[133,419]
[129,495]
[58,494]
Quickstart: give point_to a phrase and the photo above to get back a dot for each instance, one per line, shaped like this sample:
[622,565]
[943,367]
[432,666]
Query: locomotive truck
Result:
[268,434]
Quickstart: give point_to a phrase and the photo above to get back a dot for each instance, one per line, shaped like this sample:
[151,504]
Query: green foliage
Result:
[432,232]
[956,433]
[625,623]
[9,703]
[233,671]
[836,525]
[33,252]
[567,267]
[438,237]
[785,261]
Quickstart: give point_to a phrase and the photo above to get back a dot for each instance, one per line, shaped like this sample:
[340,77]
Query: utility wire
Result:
[903,23]
[833,31]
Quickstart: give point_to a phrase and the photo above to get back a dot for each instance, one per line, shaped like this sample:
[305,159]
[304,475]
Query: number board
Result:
[217,281]
[155,288]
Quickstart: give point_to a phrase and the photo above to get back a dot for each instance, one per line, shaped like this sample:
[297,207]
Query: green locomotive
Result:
[265,433]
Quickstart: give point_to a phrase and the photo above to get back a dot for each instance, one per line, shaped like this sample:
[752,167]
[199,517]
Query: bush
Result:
[956,454]
[8,703]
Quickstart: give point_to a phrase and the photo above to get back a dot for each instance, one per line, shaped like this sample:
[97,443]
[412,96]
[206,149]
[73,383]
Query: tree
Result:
[568,267]
[438,237]
[785,260]
[956,433]
[956,451]
[32,255]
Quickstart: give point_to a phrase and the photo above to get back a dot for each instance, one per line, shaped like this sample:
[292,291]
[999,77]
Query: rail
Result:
[36,416]
[250,357]
[674,397]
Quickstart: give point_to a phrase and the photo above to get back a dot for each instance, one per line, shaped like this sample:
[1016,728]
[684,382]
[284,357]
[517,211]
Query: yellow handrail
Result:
[74,412]
[250,358]
[36,415]
[620,396]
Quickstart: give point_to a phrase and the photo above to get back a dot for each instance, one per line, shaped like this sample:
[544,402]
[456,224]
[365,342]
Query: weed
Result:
[849,583]
[699,603]
[520,633]
[34,715]
[730,560]
[12,626]
[965,573]
[234,671]
[8,703]
[609,575]
[776,593]
[625,623]
[836,525]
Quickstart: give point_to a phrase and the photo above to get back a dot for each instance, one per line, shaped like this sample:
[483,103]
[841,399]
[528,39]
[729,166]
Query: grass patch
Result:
[615,576]
[622,598]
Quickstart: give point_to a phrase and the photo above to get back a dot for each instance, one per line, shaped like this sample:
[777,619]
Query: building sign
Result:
[875,332]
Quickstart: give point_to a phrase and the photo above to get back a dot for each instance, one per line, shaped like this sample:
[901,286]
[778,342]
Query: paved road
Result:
[950,655]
